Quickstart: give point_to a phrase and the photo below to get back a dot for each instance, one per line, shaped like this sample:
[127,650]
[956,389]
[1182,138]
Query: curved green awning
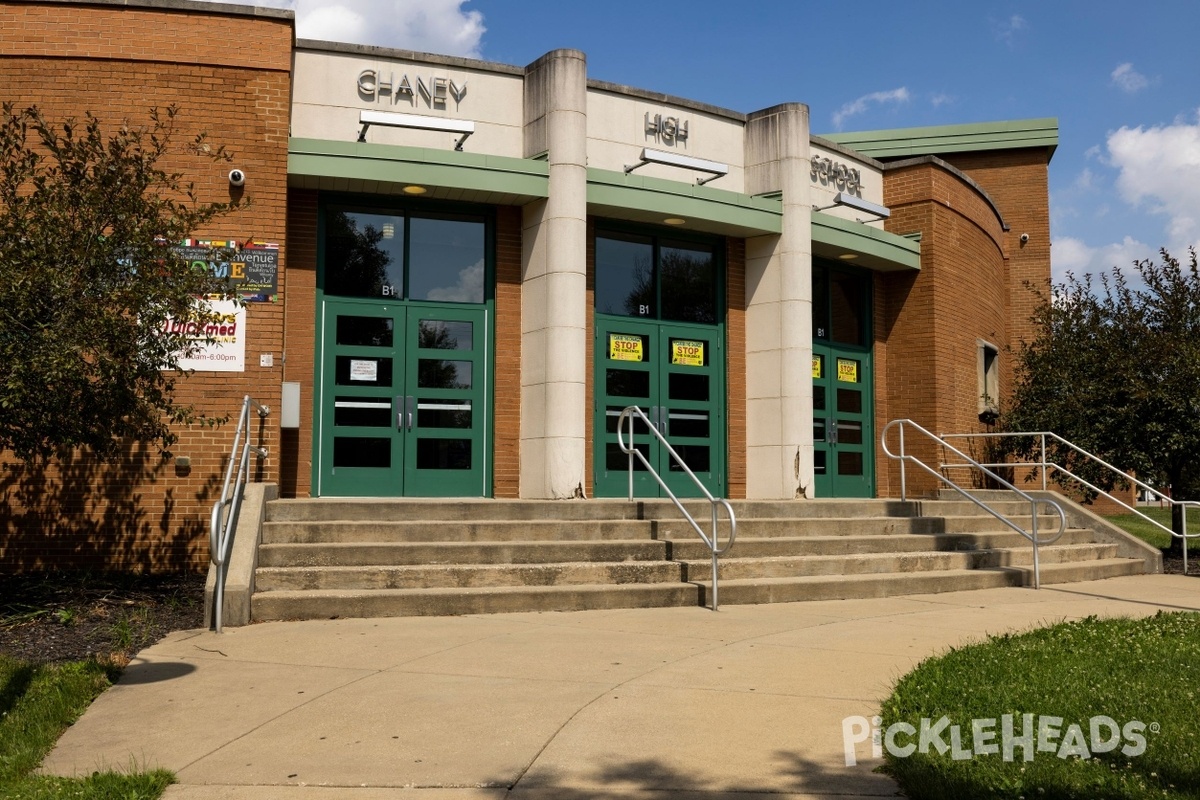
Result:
[833,237]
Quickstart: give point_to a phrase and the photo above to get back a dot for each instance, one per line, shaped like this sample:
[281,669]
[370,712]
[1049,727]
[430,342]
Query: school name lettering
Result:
[828,171]
[433,91]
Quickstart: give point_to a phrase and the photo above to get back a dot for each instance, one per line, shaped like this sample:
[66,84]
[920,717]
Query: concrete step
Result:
[401,553]
[464,576]
[471,509]
[329,603]
[485,530]
[752,547]
[960,506]
[864,563]
[842,587]
[853,526]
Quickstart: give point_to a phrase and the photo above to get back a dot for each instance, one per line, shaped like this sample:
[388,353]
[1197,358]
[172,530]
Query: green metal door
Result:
[402,400]
[674,373]
[843,426]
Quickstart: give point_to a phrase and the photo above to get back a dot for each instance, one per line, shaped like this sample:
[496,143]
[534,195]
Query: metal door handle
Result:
[410,403]
[831,431]
[399,406]
[664,420]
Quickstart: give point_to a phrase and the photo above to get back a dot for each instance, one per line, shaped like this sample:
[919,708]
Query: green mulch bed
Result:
[1143,675]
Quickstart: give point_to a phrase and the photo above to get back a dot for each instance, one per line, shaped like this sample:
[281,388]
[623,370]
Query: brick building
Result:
[479,265]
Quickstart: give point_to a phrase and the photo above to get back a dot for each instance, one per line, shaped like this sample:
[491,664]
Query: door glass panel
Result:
[818,429]
[358,371]
[849,432]
[849,401]
[625,275]
[688,424]
[437,334]
[628,347]
[819,461]
[364,331]
[627,383]
[364,254]
[850,463]
[696,456]
[443,453]
[820,306]
[847,297]
[362,412]
[437,413]
[687,386]
[613,416]
[617,461]
[818,398]
[849,370]
[435,373]
[362,452]
[689,290]
[446,259]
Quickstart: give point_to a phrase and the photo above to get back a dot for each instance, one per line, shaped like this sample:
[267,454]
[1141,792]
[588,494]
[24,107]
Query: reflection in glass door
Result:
[402,400]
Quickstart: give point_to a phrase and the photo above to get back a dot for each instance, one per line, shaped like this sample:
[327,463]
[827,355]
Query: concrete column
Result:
[553,288]
[779,311]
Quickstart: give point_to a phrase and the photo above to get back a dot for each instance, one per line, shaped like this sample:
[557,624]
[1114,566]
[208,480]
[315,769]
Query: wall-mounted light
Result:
[858,204]
[392,119]
[675,221]
[415,190]
[714,168]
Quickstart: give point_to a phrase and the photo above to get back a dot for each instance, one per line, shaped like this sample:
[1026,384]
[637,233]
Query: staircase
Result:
[366,558]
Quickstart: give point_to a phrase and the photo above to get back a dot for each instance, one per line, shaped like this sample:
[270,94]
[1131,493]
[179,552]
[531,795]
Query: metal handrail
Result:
[221,525]
[1046,465]
[630,412]
[1034,502]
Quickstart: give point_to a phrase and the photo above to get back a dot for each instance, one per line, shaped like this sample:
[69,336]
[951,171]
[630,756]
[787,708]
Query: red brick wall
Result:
[735,366]
[928,325]
[300,336]
[230,76]
[506,462]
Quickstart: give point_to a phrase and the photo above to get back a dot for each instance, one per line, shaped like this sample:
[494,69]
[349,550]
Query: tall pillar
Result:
[554,285]
[779,413]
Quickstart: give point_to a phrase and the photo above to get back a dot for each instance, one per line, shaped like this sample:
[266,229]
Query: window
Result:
[989,382]
[439,257]
[645,276]
[841,305]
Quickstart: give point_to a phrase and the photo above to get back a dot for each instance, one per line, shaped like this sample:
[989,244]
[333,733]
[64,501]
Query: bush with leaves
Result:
[1115,369]
[89,283]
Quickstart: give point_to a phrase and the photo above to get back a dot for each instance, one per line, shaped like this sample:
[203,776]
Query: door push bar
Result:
[405,405]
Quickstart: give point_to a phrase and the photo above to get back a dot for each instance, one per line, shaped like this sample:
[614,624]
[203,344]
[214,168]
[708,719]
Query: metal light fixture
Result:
[714,168]
[675,221]
[415,190]
[417,121]
[858,204]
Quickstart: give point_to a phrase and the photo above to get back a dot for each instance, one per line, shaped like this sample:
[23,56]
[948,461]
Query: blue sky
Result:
[1123,79]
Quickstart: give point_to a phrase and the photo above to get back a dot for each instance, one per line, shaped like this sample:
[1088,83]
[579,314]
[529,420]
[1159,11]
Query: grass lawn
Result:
[37,703]
[1140,674]
[1134,524]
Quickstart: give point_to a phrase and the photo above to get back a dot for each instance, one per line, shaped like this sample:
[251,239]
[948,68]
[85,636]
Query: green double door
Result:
[403,400]
[675,373]
[843,428]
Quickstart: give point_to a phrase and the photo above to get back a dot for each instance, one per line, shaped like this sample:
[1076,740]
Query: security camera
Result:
[238,178]
[1024,236]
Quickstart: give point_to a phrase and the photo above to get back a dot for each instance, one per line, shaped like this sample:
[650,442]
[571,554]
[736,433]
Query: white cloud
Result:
[432,26]
[1160,167]
[1006,30]
[1073,255]
[860,105]
[1092,152]
[467,290]
[941,99]
[1127,79]
[1085,181]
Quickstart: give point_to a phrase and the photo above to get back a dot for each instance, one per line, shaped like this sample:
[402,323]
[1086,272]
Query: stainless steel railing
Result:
[1045,465]
[224,517]
[1032,534]
[632,413]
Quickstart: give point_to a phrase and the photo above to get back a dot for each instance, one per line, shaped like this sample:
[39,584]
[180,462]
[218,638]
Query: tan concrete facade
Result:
[554,153]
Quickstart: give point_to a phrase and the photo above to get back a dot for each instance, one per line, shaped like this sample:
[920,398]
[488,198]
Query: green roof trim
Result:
[381,168]
[876,249]
[903,142]
[640,198]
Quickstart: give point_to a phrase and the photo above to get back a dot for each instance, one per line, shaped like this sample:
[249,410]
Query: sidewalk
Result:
[627,703]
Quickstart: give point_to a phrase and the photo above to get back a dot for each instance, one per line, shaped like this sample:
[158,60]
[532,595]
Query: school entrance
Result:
[659,345]
[403,398]
[843,384]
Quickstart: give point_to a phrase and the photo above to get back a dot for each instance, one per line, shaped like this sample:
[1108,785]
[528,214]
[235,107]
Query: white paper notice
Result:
[364,370]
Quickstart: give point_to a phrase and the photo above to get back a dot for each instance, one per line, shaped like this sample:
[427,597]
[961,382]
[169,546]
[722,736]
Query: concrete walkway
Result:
[672,702]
